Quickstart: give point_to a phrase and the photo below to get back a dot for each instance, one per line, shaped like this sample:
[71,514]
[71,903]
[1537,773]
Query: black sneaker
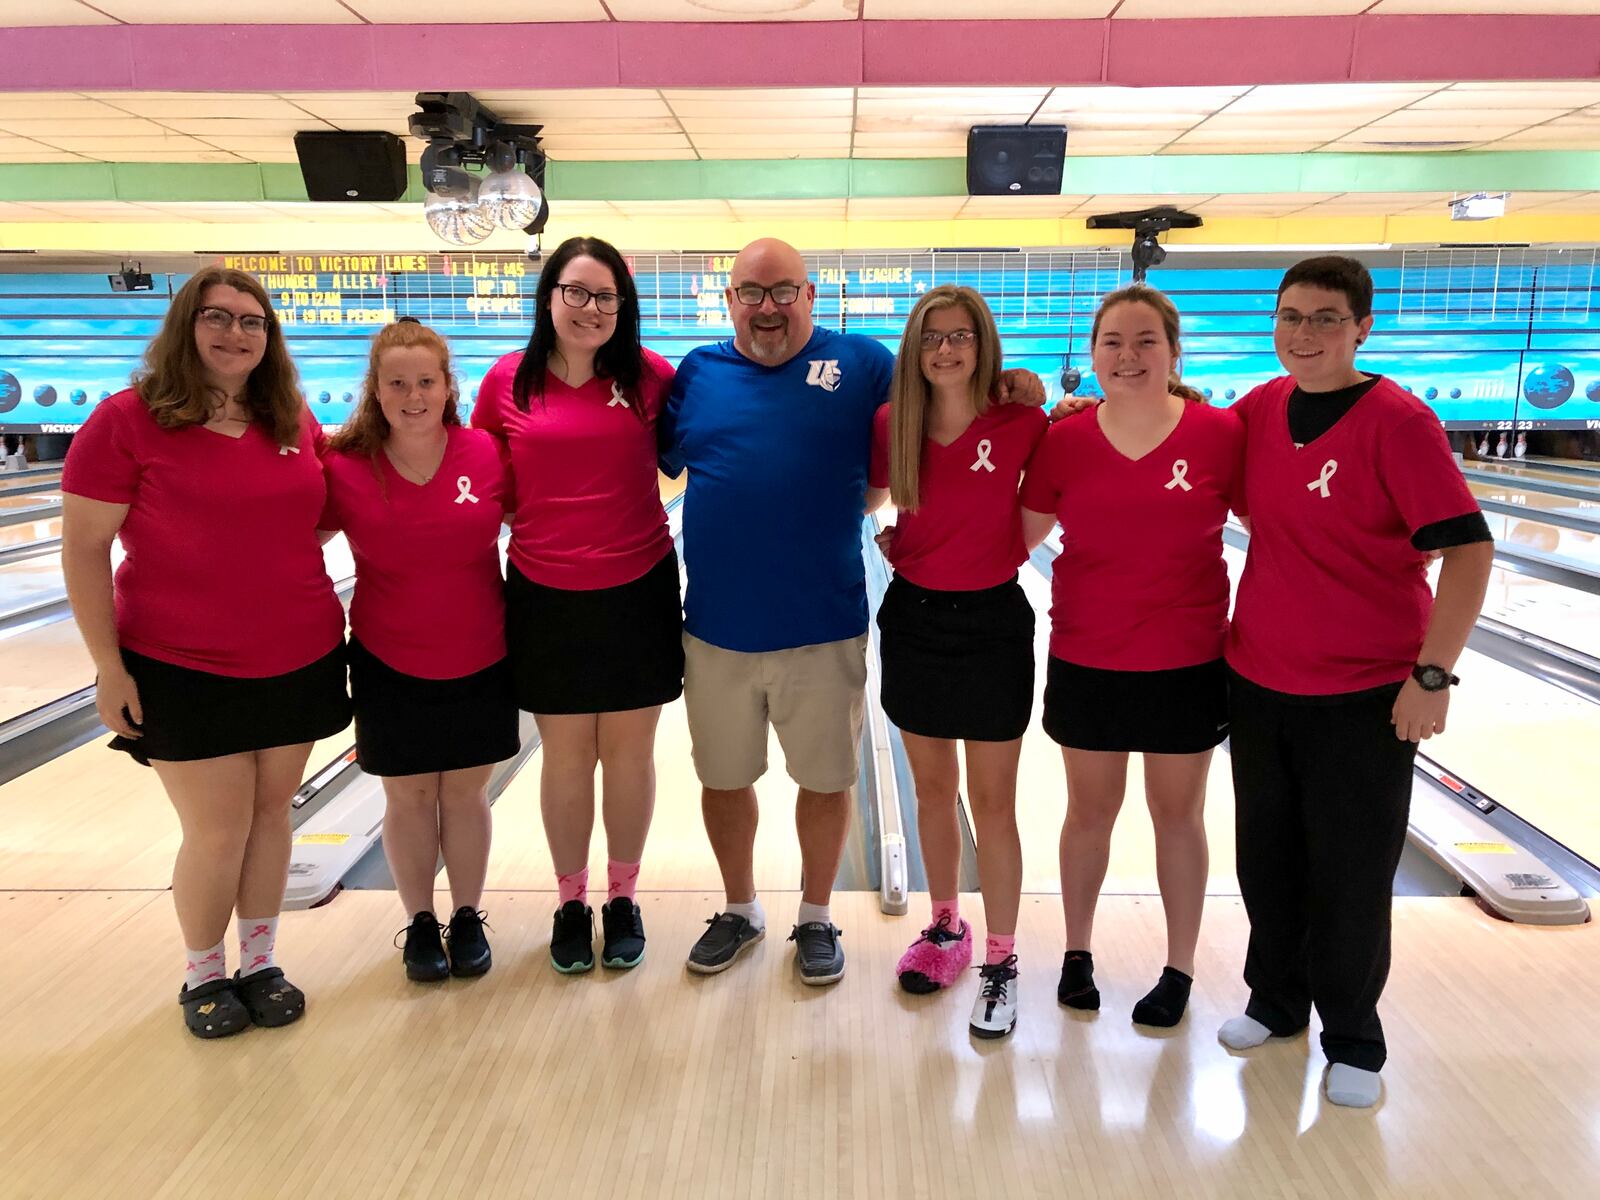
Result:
[469,949]
[729,935]
[572,938]
[424,950]
[818,952]
[623,927]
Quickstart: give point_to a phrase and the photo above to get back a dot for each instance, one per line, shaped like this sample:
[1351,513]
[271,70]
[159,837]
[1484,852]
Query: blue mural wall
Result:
[1515,346]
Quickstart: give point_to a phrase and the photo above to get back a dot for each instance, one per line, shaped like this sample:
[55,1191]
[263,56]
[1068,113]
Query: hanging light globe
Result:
[459,220]
[511,197]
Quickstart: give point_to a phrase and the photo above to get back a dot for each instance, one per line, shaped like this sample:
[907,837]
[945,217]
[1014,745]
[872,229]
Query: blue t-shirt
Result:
[777,460]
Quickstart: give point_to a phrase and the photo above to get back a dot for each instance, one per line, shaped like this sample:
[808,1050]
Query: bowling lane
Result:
[31,581]
[47,481]
[16,501]
[42,665]
[29,531]
[1548,610]
[94,819]
[1531,473]
[1536,503]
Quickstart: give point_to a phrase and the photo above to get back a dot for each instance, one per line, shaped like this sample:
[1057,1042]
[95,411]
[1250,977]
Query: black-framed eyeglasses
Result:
[575,295]
[1320,322]
[752,294]
[959,338]
[221,320]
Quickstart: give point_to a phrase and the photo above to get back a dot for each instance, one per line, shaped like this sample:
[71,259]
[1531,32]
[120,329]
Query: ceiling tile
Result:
[238,12]
[400,12]
[999,10]
[36,13]
[1156,9]
[113,126]
[1127,100]
[735,10]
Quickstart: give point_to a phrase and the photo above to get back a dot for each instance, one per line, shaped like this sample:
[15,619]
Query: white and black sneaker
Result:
[994,1013]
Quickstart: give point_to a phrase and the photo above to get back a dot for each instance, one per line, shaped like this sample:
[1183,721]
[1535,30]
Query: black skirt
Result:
[601,650]
[957,664]
[191,715]
[411,726]
[1181,711]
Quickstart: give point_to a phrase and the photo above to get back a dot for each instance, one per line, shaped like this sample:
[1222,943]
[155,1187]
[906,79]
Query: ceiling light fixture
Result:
[1147,225]
[463,208]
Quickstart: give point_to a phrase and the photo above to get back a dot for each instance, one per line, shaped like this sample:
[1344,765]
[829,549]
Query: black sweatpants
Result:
[1322,793]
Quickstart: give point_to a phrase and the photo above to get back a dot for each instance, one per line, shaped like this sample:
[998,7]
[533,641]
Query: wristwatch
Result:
[1433,679]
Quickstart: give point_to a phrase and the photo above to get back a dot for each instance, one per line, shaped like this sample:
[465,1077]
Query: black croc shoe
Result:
[469,949]
[271,999]
[212,1010]
[424,950]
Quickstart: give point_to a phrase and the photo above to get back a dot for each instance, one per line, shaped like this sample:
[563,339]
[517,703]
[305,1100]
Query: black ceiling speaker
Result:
[1015,160]
[368,166]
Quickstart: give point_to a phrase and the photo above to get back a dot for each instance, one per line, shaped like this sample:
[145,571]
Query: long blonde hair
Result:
[367,429]
[172,381]
[910,391]
[1143,293]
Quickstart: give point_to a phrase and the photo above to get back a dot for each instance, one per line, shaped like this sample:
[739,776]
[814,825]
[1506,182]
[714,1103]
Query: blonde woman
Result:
[957,631]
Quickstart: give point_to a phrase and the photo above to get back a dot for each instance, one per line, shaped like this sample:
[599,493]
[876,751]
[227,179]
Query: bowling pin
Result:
[1483,447]
[1521,450]
[1500,447]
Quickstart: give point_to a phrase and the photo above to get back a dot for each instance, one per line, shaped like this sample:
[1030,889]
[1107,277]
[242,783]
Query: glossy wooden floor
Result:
[655,1083]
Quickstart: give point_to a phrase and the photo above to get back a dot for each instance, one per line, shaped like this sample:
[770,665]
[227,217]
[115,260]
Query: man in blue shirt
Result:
[775,428]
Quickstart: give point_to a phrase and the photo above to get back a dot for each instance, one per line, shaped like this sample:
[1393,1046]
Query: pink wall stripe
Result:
[1197,53]
[802,54]
[909,53]
[798,54]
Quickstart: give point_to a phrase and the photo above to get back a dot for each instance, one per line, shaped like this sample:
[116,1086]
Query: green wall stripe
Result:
[812,178]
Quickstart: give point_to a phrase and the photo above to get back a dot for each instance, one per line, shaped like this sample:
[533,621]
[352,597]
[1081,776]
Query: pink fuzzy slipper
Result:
[937,958]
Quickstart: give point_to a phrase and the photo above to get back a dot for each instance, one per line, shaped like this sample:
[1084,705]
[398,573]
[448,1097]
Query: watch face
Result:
[1432,678]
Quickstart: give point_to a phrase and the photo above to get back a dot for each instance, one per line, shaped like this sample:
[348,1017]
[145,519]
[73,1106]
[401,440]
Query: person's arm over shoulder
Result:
[332,519]
[878,463]
[655,383]
[669,440]
[1040,496]
[1234,438]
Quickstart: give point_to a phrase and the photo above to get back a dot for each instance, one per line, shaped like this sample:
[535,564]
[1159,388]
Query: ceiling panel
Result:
[1391,7]
[798,210]
[53,12]
[1330,97]
[997,10]
[42,155]
[734,10]
[904,208]
[168,143]
[778,126]
[16,106]
[912,139]
[114,126]
[237,12]
[399,12]
[1138,10]
[1185,146]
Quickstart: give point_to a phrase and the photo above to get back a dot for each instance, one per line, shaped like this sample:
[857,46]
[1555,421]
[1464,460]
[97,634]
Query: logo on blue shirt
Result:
[824,373]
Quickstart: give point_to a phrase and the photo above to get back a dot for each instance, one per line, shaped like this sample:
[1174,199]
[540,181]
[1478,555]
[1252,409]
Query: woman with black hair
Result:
[593,615]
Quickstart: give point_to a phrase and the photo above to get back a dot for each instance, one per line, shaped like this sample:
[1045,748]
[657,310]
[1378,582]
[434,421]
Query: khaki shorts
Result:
[812,695]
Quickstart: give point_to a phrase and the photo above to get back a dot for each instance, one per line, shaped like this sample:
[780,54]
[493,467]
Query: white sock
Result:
[813,914]
[1243,1033]
[1351,1086]
[202,966]
[750,910]
[257,938]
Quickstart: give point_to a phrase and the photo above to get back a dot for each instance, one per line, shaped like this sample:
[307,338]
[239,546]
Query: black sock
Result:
[1163,1005]
[1076,989]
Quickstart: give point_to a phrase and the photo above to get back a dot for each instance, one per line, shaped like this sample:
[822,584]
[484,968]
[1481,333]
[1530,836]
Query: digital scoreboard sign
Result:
[1515,346]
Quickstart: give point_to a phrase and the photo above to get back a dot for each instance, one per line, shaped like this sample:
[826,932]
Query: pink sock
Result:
[257,938]
[952,908]
[998,947]
[574,886]
[620,878]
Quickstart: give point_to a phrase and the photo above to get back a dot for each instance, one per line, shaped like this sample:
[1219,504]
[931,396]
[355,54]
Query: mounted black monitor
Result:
[1015,160]
[337,165]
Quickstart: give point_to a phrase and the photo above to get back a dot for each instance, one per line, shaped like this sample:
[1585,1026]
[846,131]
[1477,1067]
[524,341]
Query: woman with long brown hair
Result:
[957,631]
[420,498]
[1142,485]
[594,625]
[219,643]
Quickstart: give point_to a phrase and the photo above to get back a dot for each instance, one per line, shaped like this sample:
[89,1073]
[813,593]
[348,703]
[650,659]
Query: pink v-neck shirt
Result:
[1334,597]
[588,510]
[429,597]
[1140,584]
[967,531]
[223,571]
